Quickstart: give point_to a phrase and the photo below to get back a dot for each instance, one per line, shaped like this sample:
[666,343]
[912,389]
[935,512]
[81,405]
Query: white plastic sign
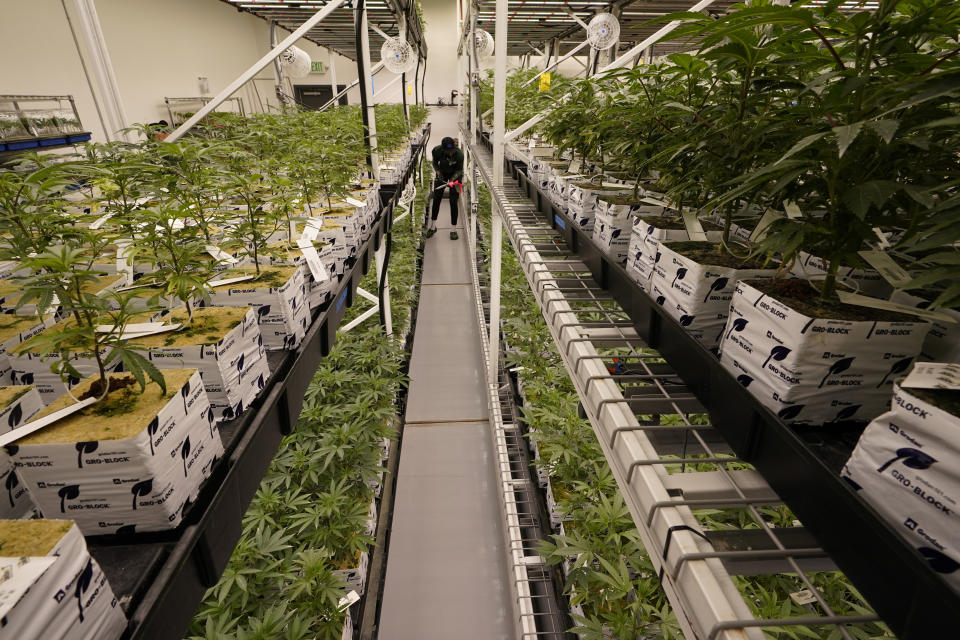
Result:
[354,202]
[886,305]
[220,283]
[220,255]
[36,425]
[933,375]
[310,254]
[887,267]
[694,228]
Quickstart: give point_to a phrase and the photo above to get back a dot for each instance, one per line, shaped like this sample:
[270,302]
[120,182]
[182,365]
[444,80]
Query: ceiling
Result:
[534,22]
[337,30]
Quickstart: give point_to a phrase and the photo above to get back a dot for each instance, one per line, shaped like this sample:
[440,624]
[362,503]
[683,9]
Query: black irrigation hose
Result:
[388,238]
[361,79]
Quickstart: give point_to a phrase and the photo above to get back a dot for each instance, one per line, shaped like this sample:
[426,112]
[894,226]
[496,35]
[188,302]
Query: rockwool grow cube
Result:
[132,462]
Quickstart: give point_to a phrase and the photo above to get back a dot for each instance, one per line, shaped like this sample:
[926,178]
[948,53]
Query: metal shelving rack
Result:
[176,107]
[29,136]
[656,463]
[161,578]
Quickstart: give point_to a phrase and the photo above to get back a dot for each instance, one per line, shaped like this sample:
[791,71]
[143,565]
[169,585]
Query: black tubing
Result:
[362,81]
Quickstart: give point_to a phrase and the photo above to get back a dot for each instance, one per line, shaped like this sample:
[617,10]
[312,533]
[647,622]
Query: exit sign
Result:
[316,67]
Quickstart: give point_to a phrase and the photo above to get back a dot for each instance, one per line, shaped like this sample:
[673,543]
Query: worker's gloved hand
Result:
[450,184]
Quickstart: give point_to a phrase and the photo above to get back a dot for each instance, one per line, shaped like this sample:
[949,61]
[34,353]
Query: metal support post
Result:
[92,48]
[277,70]
[382,275]
[366,94]
[333,73]
[547,53]
[496,230]
[403,76]
[257,67]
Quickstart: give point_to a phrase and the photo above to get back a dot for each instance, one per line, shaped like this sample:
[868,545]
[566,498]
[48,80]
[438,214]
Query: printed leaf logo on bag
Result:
[82,448]
[263,311]
[660,300]
[837,367]
[745,380]
[11,483]
[16,414]
[184,453]
[184,392]
[848,412]
[738,325]
[717,285]
[142,488]
[685,321]
[681,272]
[83,583]
[850,481]
[69,492]
[939,561]
[127,530]
[791,412]
[778,353]
[898,367]
[912,458]
[152,431]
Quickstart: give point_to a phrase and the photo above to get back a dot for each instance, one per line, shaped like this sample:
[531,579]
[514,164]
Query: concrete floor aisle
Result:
[446,572]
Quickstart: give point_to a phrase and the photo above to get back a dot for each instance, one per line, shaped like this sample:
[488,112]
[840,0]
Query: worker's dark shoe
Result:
[430,232]
[453,235]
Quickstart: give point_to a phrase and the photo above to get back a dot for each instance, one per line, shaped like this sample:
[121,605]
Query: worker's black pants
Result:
[438,197]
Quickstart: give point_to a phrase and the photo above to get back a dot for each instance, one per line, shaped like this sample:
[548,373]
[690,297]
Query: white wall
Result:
[158,47]
[441,29]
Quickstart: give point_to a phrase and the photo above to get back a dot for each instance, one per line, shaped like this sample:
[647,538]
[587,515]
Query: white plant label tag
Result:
[655,202]
[313,260]
[875,303]
[139,286]
[764,224]
[36,425]
[694,228]
[141,329]
[178,223]
[802,597]
[348,600]
[124,268]
[792,210]
[354,202]
[312,229]
[220,255]
[575,166]
[220,283]
[882,241]
[887,267]
[933,375]
[99,222]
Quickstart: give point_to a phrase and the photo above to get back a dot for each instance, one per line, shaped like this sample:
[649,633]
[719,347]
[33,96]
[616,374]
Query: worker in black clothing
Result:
[448,171]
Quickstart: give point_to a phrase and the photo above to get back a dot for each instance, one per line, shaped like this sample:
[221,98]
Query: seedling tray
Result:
[800,463]
[160,578]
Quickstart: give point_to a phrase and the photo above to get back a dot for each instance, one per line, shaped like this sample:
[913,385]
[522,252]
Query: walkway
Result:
[446,565]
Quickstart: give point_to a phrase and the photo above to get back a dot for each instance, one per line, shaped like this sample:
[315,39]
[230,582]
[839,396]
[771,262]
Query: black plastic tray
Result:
[160,578]
[800,463]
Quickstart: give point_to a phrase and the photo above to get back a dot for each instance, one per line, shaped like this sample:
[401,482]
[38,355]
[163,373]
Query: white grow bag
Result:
[15,500]
[127,485]
[906,467]
[697,295]
[283,313]
[61,596]
[815,370]
[644,249]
